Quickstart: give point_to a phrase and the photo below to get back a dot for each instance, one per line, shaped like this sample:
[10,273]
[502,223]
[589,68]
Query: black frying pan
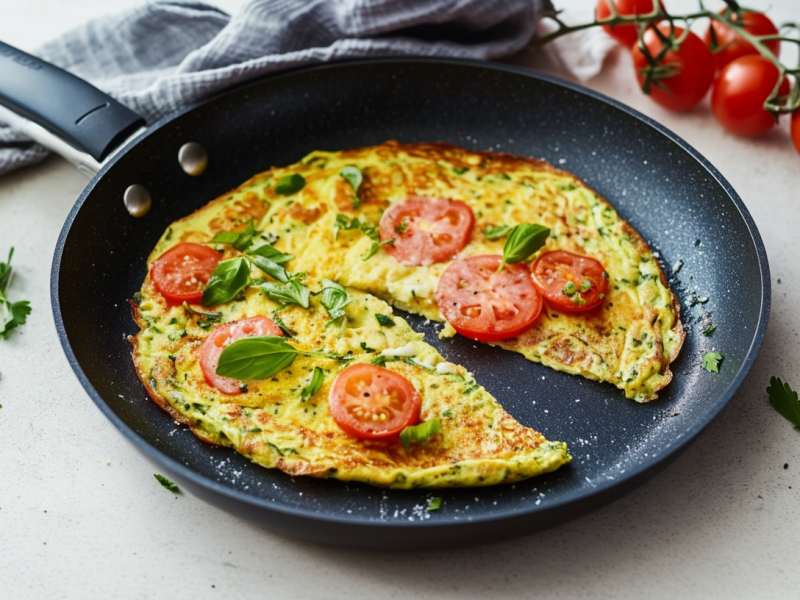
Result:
[679,203]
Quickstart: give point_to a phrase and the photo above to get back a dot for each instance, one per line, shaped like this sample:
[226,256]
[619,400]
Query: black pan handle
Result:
[74,110]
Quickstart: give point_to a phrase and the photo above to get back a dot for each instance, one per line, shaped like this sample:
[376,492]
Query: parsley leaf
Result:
[354,178]
[291,184]
[11,314]
[228,279]
[711,362]
[317,377]
[784,399]
[172,487]
[420,433]
[495,233]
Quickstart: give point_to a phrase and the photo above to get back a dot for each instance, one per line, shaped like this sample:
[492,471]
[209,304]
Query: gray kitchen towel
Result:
[163,55]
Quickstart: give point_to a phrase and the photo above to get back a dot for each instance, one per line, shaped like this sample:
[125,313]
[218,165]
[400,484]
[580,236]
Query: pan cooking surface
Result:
[705,239]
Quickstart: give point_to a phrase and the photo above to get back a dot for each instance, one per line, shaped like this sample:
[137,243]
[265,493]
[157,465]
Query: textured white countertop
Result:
[81,515]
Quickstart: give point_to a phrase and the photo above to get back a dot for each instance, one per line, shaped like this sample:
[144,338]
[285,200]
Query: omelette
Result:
[304,263]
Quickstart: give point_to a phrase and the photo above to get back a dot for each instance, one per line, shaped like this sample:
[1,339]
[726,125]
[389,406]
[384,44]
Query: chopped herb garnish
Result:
[711,362]
[228,279]
[261,357]
[460,170]
[569,289]
[384,320]
[172,487]
[317,377]
[586,285]
[498,232]
[523,241]
[420,433]
[416,363]
[401,226]
[12,314]
[784,399]
[435,503]
[354,178]
[291,184]
[448,414]
[366,348]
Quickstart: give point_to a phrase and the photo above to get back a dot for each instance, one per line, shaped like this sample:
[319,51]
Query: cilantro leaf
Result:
[12,315]
[420,433]
[172,487]
[711,362]
[784,399]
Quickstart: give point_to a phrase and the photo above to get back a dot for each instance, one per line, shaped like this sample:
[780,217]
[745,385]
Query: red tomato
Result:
[426,230]
[730,46]
[181,273]
[796,130]
[370,402]
[220,338]
[739,95]
[485,305]
[624,34]
[553,272]
[693,63]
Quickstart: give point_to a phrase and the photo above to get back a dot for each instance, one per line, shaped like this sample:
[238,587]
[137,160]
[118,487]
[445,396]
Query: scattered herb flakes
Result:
[784,399]
[711,362]
[172,487]
[384,320]
[366,348]
[435,503]
[709,330]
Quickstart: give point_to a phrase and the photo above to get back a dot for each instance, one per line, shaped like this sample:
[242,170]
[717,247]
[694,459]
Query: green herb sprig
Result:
[334,299]
[784,399]
[262,357]
[12,314]
[291,292]
[172,487]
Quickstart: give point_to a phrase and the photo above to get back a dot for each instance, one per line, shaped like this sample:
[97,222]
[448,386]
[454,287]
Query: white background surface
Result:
[81,515]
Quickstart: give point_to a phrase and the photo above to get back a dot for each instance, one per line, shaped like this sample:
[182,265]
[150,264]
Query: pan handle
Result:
[85,118]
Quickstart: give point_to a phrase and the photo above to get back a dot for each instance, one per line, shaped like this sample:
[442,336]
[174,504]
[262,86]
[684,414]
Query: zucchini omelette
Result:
[267,325]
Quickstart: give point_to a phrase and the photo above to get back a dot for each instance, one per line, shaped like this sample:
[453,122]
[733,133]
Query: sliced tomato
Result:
[220,338]
[181,273]
[570,283]
[730,46]
[484,304]
[426,230]
[371,402]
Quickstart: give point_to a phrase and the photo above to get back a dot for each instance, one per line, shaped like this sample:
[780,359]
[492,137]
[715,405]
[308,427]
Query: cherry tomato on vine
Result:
[730,46]
[691,66]
[371,402]
[624,34]
[796,130]
[485,304]
[739,95]
[224,335]
[570,283]
[181,273]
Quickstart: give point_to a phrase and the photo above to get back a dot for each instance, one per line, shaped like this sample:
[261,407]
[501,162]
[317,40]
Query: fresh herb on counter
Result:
[784,399]
[11,314]
[172,487]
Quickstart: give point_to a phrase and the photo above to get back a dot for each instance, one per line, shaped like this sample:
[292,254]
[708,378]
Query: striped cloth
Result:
[163,55]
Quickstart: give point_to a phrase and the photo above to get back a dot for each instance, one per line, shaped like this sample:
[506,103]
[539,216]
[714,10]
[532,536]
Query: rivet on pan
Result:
[137,200]
[193,158]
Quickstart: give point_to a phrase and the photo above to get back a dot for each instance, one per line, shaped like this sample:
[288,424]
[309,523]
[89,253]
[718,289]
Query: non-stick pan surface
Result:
[707,243]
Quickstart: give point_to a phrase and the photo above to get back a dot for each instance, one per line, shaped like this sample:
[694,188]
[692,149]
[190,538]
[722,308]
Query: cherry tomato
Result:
[426,230]
[370,402]
[693,63]
[730,46]
[484,304]
[739,94]
[570,283]
[181,273]
[796,130]
[624,34]
[220,338]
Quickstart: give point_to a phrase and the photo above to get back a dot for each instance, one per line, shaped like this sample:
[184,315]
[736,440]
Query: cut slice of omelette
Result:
[629,341]
[275,426]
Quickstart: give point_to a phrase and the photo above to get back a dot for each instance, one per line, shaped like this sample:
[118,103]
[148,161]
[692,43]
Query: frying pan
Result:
[701,231]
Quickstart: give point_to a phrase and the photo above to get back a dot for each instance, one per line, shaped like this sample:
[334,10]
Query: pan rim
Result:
[629,478]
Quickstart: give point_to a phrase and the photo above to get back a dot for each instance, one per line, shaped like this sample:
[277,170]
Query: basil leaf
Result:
[172,487]
[495,233]
[416,363]
[239,240]
[334,298]
[354,178]
[384,320]
[225,237]
[291,184]
[420,433]
[317,377]
[270,252]
[524,240]
[228,279]
[261,357]
[291,292]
